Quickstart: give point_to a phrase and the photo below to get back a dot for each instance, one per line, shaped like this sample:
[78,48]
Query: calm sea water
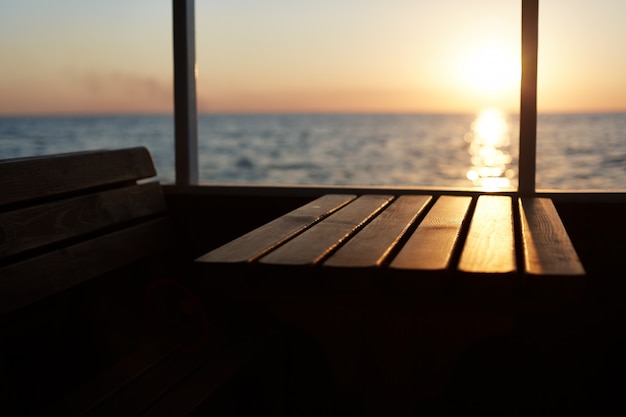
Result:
[575,151]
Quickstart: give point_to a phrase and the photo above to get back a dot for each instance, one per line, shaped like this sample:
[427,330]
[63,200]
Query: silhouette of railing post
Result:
[185,110]
[528,99]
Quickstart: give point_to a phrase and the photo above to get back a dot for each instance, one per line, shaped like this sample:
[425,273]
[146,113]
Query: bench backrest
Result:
[67,218]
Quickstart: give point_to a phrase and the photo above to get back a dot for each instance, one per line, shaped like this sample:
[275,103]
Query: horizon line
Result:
[302,112]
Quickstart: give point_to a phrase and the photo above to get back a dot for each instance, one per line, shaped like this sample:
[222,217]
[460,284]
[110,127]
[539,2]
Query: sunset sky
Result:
[114,56]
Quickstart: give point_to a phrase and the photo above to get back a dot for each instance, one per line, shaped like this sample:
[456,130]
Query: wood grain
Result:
[314,244]
[260,241]
[371,246]
[38,177]
[548,249]
[33,227]
[33,279]
[431,246]
[490,244]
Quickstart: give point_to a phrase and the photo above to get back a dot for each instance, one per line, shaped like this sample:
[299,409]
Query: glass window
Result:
[581,128]
[79,75]
[326,92]
[361,92]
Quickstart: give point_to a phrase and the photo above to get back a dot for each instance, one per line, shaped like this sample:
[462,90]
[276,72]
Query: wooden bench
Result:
[95,315]
[419,243]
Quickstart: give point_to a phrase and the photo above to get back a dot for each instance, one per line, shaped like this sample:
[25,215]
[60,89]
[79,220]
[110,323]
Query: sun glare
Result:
[488,146]
[491,69]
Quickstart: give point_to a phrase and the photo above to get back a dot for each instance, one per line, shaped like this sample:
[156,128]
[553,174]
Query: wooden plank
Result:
[260,241]
[65,173]
[44,224]
[372,245]
[547,247]
[431,246]
[490,244]
[311,246]
[33,279]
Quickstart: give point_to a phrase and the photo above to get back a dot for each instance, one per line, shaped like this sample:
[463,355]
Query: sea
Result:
[574,151]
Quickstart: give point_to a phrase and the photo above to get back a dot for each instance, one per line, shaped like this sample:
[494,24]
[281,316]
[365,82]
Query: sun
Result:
[491,69]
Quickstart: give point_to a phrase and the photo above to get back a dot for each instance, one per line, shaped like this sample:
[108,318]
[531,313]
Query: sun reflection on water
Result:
[489,148]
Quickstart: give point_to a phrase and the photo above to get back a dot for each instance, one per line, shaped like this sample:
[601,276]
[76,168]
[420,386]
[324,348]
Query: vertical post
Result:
[185,111]
[528,98]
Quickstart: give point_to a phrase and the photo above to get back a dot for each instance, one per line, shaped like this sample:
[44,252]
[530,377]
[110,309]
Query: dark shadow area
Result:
[290,376]
[573,376]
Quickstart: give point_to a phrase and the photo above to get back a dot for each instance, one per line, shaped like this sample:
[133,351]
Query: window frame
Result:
[185,101]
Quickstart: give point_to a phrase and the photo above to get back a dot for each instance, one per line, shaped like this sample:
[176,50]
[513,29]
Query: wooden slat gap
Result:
[31,227]
[518,239]
[315,244]
[68,195]
[72,265]
[59,245]
[286,239]
[320,259]
[460,244]
[391,253]
[269,237]
[60,174]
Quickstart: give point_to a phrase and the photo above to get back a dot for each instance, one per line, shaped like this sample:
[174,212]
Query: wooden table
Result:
[399,290]
[418,243]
